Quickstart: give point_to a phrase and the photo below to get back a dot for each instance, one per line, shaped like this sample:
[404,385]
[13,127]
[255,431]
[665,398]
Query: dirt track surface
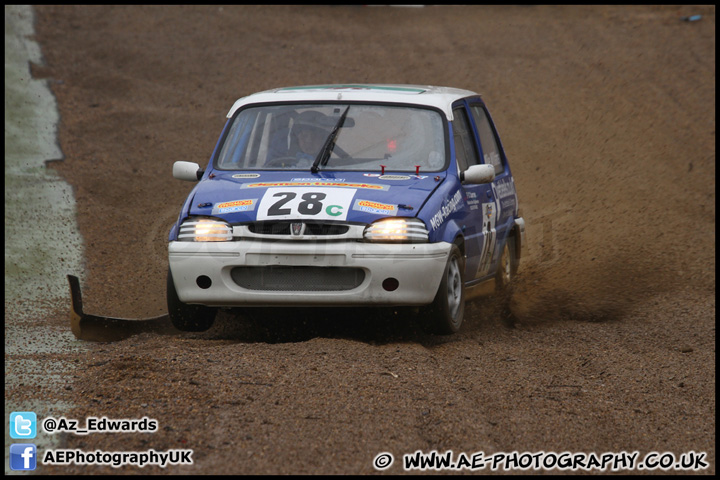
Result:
[607,114]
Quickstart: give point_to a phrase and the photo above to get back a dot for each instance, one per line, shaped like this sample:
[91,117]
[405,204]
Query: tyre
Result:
[507,267]
[505,280]
[184,317]
[445,315]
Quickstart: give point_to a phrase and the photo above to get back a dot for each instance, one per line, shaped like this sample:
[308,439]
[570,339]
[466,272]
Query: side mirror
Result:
[188,171]
[477,174]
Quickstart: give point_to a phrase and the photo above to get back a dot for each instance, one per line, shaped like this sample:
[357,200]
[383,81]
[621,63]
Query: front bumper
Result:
[282,273]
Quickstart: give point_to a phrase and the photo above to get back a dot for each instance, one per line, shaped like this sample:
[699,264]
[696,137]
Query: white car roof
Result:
[425,95]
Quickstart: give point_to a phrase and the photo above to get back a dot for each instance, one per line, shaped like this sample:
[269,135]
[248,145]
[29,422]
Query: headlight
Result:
[408,230]
[202,229]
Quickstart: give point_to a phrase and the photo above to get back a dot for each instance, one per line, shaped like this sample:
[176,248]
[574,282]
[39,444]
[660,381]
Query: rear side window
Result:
[464,144]
[491,152]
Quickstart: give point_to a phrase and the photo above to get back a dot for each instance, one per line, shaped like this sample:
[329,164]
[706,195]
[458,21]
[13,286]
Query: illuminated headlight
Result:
[201,229]
[410,230]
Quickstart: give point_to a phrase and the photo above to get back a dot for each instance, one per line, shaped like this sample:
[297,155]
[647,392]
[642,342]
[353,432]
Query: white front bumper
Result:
[418,269]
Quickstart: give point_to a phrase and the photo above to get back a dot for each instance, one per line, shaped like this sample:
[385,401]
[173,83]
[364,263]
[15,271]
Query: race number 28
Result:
[311,203]
[315,203]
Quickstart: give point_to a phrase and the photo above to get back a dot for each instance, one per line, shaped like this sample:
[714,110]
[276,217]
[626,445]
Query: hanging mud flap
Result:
[107,329]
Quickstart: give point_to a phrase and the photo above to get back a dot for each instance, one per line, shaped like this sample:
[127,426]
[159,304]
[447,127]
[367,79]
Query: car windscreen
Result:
[356,137]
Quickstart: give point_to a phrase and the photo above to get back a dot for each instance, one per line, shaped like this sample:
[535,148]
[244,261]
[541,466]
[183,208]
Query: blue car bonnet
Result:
[242,197]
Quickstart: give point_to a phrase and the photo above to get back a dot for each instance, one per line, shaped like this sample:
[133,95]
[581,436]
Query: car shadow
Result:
[374,326]
[291,325]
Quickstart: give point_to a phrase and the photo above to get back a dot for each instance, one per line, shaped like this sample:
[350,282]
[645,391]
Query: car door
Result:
[479,228]
[503,187]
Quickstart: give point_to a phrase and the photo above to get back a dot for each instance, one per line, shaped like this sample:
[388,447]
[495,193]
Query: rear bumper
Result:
[260,273]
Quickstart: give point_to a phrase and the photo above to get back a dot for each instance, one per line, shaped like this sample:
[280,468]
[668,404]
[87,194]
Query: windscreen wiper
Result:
[327,148]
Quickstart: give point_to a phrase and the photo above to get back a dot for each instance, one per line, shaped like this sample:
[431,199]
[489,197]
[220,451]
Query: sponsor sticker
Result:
[449,206]
[394,177]
[317,180]
[489,239]
[377,208]
[245,205]
[505,188]
[368,186]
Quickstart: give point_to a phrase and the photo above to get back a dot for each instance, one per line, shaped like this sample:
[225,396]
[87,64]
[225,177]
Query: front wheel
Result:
[445,315]
[185,317]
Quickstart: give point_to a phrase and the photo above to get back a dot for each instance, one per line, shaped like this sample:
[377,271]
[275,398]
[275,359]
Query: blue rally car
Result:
[347,195]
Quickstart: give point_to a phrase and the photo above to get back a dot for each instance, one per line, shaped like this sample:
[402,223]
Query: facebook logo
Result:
[23,456]
[23,425]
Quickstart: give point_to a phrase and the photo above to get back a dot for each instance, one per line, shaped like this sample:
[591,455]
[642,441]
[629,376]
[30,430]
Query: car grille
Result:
[283,228]
[298,278]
